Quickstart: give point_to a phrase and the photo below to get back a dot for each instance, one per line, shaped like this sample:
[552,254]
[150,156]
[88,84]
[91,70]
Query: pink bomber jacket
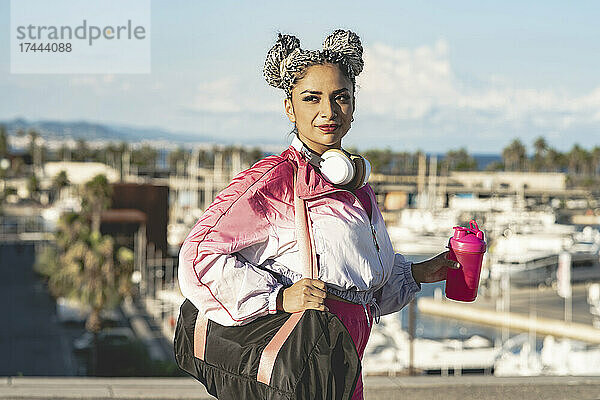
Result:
[242,250]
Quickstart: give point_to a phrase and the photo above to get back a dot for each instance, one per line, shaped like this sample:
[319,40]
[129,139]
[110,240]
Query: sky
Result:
[438,75]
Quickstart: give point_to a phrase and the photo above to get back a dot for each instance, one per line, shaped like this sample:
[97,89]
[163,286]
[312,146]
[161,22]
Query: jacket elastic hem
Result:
[363,297]
[273,299]
[410,279]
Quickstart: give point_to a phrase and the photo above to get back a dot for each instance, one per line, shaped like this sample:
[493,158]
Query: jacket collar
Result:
[309,181]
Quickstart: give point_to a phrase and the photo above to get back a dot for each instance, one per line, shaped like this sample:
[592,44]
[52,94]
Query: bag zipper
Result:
[374,238]
[373,233]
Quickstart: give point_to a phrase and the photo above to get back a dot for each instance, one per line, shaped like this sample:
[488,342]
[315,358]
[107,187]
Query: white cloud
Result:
[217,96]
[419,84]
[101,83]
[405,83]
[229,94]
[84,81]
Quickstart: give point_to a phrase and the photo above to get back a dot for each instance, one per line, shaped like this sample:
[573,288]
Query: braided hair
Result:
[286,62]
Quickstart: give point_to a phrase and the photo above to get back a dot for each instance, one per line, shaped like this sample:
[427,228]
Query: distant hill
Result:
[93,131]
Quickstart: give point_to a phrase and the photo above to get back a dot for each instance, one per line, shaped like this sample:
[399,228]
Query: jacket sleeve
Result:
[222,284]
[400,288]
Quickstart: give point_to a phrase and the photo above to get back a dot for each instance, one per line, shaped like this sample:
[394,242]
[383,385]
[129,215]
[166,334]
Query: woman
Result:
[240,261]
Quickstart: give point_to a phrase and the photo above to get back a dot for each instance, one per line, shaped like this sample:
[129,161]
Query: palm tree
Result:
[541,151]
[36,150]
[253,155]
[112,155]
[84,265]
[33,136]
[514,156]
[63,153]
[59,182]
[95,198]
[556,160]
[82,151]
[460,160]
[206,158]
[380,160]
[145,157]
[3,142]
[495,166]
[595,160]
[33,186]
[177,156]
[578,159]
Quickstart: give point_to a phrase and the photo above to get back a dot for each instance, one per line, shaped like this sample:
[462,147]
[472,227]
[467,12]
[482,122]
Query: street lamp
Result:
[4,165]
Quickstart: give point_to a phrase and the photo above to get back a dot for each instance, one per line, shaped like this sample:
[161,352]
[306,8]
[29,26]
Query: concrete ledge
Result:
[482,387]
[377,388]
[102,388]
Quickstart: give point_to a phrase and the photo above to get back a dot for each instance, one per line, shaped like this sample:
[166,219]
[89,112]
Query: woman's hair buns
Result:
[276,59]
[348,44]
[285,60]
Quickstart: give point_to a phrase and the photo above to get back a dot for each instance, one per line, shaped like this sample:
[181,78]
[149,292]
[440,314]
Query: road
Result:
[32,341]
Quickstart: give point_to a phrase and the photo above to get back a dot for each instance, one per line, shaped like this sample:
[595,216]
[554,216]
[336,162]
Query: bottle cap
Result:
[468,240]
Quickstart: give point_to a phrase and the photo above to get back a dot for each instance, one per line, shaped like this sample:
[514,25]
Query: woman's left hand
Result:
[433,270]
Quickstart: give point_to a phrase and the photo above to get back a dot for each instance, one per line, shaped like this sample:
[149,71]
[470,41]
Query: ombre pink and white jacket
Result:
[242,250]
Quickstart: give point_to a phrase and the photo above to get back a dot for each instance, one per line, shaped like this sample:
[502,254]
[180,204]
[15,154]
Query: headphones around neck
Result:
[339,167]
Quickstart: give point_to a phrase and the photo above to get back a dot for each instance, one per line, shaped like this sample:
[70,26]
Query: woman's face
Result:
[321,106]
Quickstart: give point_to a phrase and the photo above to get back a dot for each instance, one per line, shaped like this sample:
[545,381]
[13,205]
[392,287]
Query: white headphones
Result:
[338,166]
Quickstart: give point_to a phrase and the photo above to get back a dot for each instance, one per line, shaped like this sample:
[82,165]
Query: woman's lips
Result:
[328,128]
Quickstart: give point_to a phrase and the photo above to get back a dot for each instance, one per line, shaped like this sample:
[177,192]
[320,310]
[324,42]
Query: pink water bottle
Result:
[467,247]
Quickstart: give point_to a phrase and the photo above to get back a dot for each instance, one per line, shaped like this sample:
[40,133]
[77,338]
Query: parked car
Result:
[110,337]
[69,311]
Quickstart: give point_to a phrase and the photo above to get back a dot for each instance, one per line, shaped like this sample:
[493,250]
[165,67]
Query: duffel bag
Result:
[318,360]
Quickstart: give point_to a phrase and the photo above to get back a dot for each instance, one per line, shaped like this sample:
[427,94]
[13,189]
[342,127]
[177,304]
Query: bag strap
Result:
[308,257]
[309,261]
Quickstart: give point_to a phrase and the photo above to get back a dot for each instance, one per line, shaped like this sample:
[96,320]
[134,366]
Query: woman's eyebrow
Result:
[319,92]
[341,90]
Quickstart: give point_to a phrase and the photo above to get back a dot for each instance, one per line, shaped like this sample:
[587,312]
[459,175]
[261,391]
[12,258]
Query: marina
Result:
[542,262]
[520,276]
[537,310]
[519,282]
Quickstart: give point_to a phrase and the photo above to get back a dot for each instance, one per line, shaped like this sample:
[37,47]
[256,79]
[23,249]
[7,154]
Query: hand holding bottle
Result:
[433,270]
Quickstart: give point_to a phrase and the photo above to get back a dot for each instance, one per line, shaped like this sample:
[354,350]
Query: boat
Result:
[533,258]
[388,352]
[522,243]
[519,357]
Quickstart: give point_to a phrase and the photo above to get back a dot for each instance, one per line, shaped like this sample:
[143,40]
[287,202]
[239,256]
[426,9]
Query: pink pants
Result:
[354,318]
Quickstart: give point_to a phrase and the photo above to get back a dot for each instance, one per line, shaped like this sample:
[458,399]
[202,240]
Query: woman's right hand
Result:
[303,295]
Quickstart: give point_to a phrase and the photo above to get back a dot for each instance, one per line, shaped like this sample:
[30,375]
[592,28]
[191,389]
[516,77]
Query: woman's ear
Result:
[289,109]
